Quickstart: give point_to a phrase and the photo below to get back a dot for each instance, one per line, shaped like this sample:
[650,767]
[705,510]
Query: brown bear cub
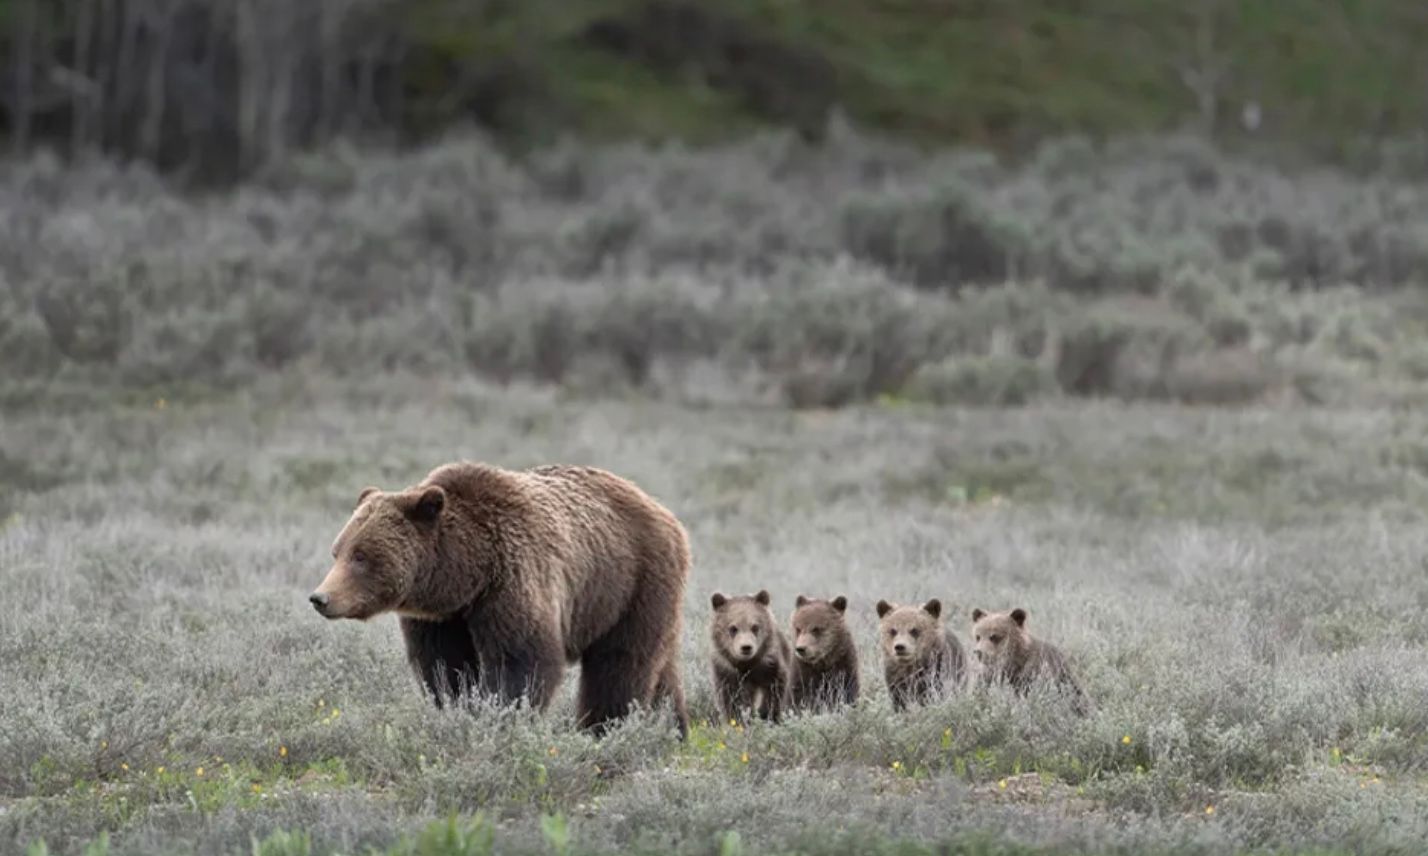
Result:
[502,578]
[825,665]
[1007,652]
[752,659]
[920,661]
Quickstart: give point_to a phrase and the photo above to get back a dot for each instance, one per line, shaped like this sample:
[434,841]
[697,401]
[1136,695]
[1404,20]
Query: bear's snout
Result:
[801,650]
[319,601]
[746,650]
[899,648]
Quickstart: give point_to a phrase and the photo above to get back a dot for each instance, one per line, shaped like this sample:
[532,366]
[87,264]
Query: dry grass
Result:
[1241,592]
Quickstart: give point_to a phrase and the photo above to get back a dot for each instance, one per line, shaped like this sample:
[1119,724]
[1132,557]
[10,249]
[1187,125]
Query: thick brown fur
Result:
[825,664]
[503,578]
[920,661]
[752,659]
[1007,652]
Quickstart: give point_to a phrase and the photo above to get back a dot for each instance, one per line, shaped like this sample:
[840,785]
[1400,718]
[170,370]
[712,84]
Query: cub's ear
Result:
[933,608]
[840,603]
[1019,616]
[800,601]
[424,505]
[763,597]
[366,492]
[884,608]
[718,600]
[977,615]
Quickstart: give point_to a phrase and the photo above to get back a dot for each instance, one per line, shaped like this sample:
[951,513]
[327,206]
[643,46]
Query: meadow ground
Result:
[1168,401]
[1242,591]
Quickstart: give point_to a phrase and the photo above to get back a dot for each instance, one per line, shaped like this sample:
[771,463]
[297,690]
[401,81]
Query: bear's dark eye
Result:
[996,639]
[892,631]
[754,630]
[733,630]
[915,632]
[359,557]
[979,637]
[817,631]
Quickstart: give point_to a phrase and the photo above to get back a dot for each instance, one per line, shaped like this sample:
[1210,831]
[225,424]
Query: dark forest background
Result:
[216,87]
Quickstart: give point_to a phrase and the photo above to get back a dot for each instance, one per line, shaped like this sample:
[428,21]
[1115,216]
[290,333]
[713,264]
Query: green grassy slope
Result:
[969,70]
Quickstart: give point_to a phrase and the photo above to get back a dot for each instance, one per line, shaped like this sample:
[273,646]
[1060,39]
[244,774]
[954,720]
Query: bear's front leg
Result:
[530,668]
[442,656]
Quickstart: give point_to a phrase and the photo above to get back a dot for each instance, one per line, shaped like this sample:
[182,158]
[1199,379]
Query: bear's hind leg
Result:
[442,656]
[612,678]
[671,686]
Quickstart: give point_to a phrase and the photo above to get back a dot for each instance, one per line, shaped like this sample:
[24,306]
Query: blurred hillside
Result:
[769,270]
[219,85]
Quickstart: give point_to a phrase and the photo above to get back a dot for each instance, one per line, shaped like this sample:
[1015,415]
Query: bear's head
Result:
[1000,640]
[819,629]
[742,627]
[388,544]
[909,632]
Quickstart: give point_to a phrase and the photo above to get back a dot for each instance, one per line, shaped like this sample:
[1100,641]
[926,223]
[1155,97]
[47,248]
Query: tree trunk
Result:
[21,103]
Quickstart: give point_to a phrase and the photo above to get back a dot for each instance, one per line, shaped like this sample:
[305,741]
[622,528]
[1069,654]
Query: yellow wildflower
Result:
[124,767]
[744,757]
[198,772]
[1209,809]
[1126,740]
[282,751]
[551,752]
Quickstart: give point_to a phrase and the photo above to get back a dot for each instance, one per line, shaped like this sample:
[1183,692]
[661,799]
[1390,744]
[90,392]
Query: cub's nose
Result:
[318,600]
[899,648]
[746,650]
[800,650]
[977,652]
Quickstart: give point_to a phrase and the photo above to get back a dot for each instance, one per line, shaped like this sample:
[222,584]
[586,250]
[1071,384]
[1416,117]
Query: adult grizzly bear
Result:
[502,578]
[1007,652]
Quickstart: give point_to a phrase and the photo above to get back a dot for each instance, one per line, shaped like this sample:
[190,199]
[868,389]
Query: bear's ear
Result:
[1019,616]
[800,601]
[426,504]
[366,492]
[763,597]
[977,615]
[840,603]
[884,608]
[933,608]
[718,600]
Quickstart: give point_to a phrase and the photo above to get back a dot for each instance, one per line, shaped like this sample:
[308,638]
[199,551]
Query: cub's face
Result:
[741,626]
[997,637]
[376,556]
[818,627]
[908,631]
